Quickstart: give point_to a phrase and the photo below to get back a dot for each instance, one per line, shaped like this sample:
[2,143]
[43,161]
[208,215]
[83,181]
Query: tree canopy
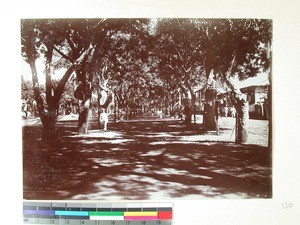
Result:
[143,61]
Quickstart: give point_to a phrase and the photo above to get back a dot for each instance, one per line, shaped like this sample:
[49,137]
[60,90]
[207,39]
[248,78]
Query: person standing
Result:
[233,111]
[25,108]
[34,108]
[104,119]
[226,111]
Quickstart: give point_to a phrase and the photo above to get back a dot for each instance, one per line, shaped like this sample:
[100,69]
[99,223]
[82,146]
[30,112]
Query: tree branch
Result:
[231,66]
[63,55]
[98,24]
[49,87]
[61,85]
[84,54]
[71,44]
[238,96]
[186,70]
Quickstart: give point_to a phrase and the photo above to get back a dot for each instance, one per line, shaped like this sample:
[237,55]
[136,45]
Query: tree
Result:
[76,46]
[220,50]
[48,39]
[27,89]
[118,62]
[179,49]
[237,48]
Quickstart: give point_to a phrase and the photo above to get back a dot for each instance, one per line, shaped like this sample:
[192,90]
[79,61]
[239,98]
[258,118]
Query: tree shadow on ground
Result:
[140,161]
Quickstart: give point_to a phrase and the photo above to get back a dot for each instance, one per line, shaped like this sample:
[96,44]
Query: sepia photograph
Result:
[146,109]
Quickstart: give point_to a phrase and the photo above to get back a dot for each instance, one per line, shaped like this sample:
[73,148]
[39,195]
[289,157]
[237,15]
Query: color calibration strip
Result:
[98,213]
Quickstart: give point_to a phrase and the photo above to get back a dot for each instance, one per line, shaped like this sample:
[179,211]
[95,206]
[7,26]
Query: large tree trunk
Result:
[47,116]
[210,116]
[47,105]
[49,131]
[242,113]
[116,109]
[242,121]
[83,94]
[188,102]
[84,120]
[210,119]
[187,112]
[193,102]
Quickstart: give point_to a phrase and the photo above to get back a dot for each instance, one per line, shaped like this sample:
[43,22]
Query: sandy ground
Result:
[258,129]
[146,160]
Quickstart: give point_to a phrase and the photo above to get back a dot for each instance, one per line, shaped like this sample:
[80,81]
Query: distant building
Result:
[255,89]
[257,96]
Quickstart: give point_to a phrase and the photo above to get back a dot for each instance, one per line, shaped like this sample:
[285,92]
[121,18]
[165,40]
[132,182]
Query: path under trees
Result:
[136,66]
[147,158]
[141,64]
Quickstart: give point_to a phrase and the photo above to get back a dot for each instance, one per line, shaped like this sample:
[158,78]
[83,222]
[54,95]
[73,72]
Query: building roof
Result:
[260,80]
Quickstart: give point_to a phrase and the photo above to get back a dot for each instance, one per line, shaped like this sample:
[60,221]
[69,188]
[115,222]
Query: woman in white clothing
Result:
[104,119]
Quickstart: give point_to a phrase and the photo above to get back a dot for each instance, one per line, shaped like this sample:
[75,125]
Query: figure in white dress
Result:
[104,119]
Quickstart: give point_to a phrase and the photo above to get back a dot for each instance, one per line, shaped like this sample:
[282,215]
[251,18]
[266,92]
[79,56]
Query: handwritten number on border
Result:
[286,205]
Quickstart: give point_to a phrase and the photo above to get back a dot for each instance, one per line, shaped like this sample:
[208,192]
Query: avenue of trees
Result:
[141,63]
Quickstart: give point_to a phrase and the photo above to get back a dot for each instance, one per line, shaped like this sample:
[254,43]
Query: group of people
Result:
[226,111]
[29,107]
[67,108]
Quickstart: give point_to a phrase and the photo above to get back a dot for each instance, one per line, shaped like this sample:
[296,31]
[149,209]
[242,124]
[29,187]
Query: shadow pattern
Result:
[142,161]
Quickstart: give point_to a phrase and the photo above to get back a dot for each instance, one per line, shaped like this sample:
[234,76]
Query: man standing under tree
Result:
[104,119]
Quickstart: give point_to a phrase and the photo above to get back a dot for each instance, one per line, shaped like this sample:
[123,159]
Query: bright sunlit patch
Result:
[109,162]
[163,134]
[142,169]
[120,141]
[220,171]
[63,193]
[170,156]
[172,171]
[155,135]
[153,153]
[168,142]
[105,141]
[114,149]
[123,186]
[90,141]
[200,176]
[178,126]
[98,134]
